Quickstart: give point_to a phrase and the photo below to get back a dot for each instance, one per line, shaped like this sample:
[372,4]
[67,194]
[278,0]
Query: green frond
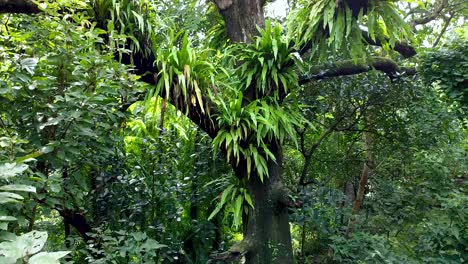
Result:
[340,23]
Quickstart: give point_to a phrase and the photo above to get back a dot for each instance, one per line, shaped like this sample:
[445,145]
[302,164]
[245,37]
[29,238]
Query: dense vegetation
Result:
[192,131]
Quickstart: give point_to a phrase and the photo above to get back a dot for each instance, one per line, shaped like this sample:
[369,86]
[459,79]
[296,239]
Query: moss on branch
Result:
[236,252]
[350,67]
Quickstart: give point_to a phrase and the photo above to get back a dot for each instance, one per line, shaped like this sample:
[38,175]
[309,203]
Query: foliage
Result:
[336,25]
[365,248]
[233,199]
[26,247]
[418,146]
[183,71]
[114,178]
[447,67]
[268,63]
[123,247]
[270,122]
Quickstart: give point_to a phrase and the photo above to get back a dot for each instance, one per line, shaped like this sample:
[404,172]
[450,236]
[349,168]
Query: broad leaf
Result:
[48,257]
[18,187]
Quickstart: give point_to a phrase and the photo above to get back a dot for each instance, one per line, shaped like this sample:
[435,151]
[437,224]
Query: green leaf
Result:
[222,202]
[249,80]
[199,96]
[141,24]
[7,197]
[52,122]
[24,245]
[248,199]
[264,72]
[7,218]
[30,156]
[18,187]
[48,257]
[7,260]
[238,210]
[226,193]
[261,60]
[151,244]
[274,44]
[215,211]
[29,64]
[9,170]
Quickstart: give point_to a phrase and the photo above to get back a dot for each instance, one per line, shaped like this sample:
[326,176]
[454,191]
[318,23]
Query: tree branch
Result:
[308,156]
[444,29]
[236,252]
[350,67]
[403,48]
[430,16]
[18,7]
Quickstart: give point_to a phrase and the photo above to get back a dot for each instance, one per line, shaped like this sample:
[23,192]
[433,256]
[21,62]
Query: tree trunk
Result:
[267,238]
[366,173]
[267,232]
[241,18]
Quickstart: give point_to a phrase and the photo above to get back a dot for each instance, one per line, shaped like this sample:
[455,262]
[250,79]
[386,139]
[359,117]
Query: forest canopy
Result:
[198,131]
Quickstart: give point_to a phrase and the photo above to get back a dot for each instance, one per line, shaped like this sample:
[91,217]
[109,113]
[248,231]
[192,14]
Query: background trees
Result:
[144,132]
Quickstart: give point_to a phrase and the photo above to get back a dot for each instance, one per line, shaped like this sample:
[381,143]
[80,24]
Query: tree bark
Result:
[367,171]
[241,18]
[350,67]
[267,237]
[267,228]
[18,6]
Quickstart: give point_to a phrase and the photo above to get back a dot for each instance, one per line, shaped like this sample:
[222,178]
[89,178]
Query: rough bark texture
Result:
[18,6]
[267,225]
[241,18]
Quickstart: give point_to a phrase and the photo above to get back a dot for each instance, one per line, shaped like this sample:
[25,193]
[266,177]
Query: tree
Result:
[242,94]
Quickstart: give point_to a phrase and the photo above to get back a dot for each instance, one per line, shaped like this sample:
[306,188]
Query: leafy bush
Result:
[363,247]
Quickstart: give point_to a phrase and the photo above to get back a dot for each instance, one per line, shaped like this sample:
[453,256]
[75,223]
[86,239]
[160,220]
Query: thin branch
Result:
[332,128]
[444,29]
[316,145]
[430,16]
